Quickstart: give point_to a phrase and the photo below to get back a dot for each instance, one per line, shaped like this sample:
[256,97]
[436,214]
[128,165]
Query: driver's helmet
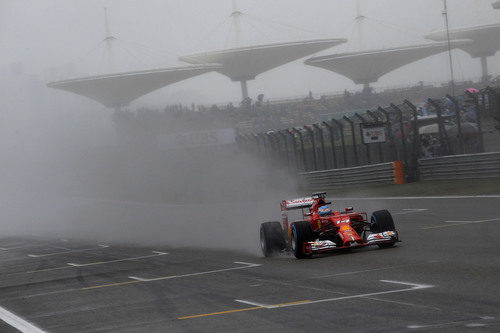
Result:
[324,211]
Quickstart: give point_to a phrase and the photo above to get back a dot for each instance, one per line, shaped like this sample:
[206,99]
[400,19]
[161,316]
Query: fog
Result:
[64,171]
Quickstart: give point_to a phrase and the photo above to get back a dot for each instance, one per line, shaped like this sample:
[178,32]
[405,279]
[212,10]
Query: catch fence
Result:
[404,132]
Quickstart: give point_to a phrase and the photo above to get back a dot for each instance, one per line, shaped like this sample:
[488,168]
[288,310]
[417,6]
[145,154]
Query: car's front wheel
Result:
[381,220]
[301,233]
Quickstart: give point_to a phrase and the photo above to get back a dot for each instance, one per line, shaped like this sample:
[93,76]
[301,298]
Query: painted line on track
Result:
[138,279]
[413,287]
[476,322]
[64,252]
[156,254]
[410,211]
[17,322]
[70,264]
[456,223]
[247,265]
[360,271]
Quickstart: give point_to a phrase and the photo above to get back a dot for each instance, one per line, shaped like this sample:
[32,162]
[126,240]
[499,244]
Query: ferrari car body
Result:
[322,230]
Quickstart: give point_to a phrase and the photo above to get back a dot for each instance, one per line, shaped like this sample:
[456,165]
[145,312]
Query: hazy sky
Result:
[57,38]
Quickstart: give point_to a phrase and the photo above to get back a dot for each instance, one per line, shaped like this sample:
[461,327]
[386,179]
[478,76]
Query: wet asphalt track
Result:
[443,276]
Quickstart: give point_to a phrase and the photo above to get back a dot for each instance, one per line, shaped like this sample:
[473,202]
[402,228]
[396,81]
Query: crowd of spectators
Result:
[254,116]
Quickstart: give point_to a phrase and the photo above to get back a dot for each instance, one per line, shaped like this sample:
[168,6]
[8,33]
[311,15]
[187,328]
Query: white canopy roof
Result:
[245,63]
[496,5]
[368,66]
[116,90]
[485,39]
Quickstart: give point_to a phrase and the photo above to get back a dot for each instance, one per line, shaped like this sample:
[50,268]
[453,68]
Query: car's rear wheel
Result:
[301,233]
[381,220]
[271,238]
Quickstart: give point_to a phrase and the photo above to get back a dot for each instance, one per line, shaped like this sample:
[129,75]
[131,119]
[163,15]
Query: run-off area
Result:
[442,276]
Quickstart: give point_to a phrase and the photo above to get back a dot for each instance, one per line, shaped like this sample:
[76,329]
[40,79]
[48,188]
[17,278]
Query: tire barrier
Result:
[468,166]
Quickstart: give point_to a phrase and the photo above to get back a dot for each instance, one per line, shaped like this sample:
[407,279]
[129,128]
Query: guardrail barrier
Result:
[382,173]
[468,166]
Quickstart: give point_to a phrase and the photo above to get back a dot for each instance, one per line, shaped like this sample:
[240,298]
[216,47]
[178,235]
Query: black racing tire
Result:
[271,238]
[301,233]
[381,220]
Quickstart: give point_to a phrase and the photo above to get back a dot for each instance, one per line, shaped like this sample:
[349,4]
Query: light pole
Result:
[445,14]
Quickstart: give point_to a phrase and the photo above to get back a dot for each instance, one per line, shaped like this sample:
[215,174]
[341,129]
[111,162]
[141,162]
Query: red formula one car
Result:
[319,229]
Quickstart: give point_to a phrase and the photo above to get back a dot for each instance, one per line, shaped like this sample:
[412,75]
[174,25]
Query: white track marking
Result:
[466,323]
[19,247]
[63,252]
[252,303]
[411,210]
[247,265]
[138,278]
[455,223]
[357,272]
[156,254]
[414,286]
[404,303]
[18,322]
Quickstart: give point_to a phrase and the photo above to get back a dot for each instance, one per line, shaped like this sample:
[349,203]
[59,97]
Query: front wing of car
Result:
[372,239]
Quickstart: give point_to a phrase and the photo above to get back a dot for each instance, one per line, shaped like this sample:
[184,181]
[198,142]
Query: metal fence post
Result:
[402,130]
[313,142]
[285,141]
[459,123]
[342,140]
[274,150]
[355,151]
[392,145]
[379,145]
[257,143]
[367,147]
[322,143]
[441,129]
[277,141]
[268,151]
[332,143]
[301,138]
[294,146]
[479,123]
[416,139]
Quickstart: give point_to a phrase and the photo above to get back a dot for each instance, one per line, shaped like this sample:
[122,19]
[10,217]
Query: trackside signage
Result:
[372,132]
[224,136]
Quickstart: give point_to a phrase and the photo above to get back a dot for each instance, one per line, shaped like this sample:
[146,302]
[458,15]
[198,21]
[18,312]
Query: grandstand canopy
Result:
[496,5]
[485,42]
[245,63]
[117,90]
[485,39]
[365,67]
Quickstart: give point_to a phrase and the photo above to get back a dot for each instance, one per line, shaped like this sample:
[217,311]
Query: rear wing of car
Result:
[299,203]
